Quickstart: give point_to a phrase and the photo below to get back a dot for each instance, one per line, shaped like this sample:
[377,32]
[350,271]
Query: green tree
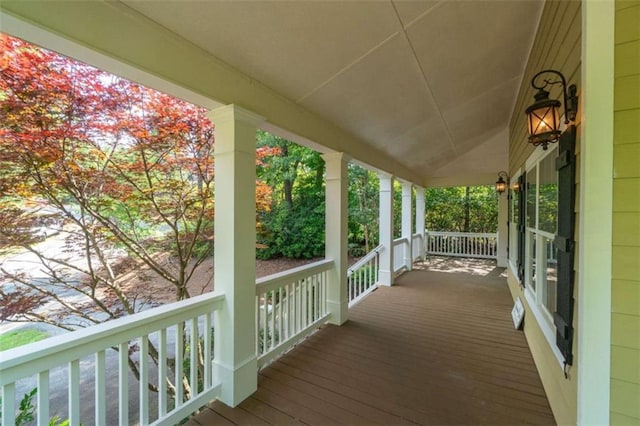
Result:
[461,209]
[363,210]
[294,224]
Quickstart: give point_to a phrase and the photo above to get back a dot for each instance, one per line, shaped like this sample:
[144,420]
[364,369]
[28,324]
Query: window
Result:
[548,225]
[544,219]
[541,225]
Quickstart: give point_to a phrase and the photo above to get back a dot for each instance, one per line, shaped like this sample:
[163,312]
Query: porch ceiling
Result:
[427,85]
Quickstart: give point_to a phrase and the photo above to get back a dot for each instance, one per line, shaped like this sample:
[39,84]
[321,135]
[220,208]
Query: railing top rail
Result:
[400,240]
[366,258]
[46,353]
[464,234]
[279,279]
[416,235]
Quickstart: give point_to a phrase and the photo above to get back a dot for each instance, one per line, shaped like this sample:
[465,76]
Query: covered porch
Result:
[438,347]
[425,93]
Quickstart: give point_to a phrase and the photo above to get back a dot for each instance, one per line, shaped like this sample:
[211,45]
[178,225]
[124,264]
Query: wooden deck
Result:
[437,348]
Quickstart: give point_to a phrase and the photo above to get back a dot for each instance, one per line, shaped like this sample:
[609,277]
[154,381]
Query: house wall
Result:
[625,283]
[557,46]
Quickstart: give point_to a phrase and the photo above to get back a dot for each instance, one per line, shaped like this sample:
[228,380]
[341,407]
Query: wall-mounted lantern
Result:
[543,115]
[501,183]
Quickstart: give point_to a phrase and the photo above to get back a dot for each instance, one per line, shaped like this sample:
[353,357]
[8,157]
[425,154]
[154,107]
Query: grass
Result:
[13,339]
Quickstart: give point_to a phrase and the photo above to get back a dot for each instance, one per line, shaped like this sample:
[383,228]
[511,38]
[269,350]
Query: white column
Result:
[235,360]
[503,213]
[407,222]
[336,217]
[420,221]
[385,274]
[595,215]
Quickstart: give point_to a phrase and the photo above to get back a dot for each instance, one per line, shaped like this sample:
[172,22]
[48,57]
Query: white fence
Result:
[399,247]
[289,306]
[417,246]
[362,276]
[463,244]
[159,344]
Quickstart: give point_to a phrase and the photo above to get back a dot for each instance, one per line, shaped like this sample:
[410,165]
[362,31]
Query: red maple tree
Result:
[123,173]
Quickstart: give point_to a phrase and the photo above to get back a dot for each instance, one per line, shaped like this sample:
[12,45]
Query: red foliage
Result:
[124,155]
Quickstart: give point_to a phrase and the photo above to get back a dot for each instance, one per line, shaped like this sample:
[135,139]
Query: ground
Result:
[203,277]
[140,279]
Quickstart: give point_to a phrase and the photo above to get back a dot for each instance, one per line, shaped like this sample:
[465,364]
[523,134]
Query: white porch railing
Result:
[416,244]
[362,276]
[399,247]
[289,306]
[160,341]
[463,244]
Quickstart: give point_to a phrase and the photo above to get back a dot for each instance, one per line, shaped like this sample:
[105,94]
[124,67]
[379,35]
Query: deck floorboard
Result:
[436,348]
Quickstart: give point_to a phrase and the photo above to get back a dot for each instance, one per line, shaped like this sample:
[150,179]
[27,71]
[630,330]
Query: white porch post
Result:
[503,213]
[420,221]
[385,274]
[235,360]
[407,222]
[595,235]
[336,199]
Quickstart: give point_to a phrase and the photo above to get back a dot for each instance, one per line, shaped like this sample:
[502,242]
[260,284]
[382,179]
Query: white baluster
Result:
[74,393]
[259,325]
[100,390]
[193,361]
[162,373]
[208,382]
[144,380]
[288,324]
[123,383]
[265,322]
[179,364]
[298,306]
[43,398]
[9,404]
[273,319]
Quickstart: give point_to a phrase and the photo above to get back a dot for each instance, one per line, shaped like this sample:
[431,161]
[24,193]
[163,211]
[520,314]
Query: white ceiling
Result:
[425,82]
[431,84]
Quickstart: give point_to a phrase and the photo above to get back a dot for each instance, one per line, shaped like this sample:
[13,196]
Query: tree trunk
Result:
[288,192]
[365,208]
[467,208]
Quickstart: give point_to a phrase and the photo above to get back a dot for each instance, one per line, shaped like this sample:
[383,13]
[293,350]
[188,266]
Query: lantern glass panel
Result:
[544,120]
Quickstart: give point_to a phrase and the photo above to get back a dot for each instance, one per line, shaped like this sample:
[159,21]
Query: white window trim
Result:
[538,155]
[514,272]
[510,260]
[548,331]
[543,261]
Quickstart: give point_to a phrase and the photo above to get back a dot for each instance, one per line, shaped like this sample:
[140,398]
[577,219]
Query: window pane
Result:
[551,257]
[530,265]
[548,198]
[513,243]
[531,197]
[514,206]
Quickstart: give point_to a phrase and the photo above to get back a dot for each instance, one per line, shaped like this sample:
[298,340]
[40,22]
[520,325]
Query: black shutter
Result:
[564,241]
[522,224]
